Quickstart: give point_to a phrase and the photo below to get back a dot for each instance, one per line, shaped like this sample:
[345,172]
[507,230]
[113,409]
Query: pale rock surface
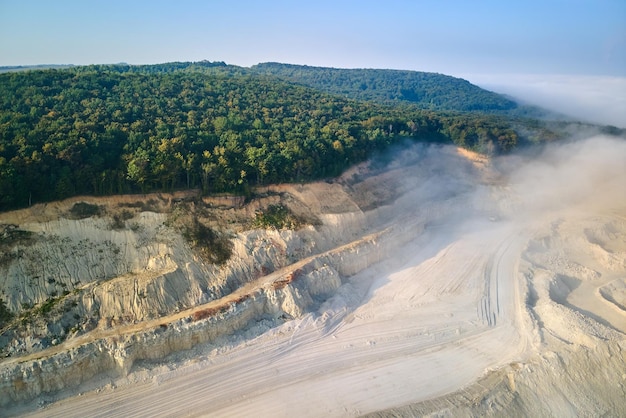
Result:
[443,284]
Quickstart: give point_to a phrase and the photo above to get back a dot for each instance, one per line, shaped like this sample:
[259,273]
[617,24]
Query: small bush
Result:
[5,314]
[150,205]
[118,220]
[212,246]
[135,227]
[10,236]
[82,210]
[46,306]
[136,205]
[277,217]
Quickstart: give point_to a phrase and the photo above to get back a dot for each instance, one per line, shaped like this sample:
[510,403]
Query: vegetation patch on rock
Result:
[211,245]
[11,236]
[277,217]
[83,210]
[5,314]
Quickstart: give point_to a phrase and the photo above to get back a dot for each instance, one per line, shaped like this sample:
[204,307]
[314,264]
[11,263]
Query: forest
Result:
[112,129]
[428,90]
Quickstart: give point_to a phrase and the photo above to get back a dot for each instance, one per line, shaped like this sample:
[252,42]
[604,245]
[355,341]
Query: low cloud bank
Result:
[596,99]
[587,174]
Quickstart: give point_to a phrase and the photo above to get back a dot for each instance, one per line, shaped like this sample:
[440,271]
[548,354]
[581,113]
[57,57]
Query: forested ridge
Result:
[111,129]
[428,90]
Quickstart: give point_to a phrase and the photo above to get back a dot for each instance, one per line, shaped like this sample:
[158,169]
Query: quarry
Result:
[431,281]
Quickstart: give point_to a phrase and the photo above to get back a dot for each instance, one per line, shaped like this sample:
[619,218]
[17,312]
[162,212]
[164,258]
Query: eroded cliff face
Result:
[116,349]
[95,284]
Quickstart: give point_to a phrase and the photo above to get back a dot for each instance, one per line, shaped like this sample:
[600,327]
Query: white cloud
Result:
[599,99]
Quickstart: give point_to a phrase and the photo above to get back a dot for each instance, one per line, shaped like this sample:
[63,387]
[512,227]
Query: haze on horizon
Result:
[540,51]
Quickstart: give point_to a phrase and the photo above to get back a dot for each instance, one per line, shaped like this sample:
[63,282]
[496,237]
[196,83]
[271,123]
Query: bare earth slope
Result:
[443,284]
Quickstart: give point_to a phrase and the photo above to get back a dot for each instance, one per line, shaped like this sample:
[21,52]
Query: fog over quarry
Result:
[434,281]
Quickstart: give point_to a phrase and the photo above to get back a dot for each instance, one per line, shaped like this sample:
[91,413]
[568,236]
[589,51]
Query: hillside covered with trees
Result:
[427,90]
[113,129]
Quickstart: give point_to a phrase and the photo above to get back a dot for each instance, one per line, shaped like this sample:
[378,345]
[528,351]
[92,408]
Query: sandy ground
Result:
[462,300]
[451,311]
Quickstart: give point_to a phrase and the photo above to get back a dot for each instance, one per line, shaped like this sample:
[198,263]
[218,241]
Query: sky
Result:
[457,37]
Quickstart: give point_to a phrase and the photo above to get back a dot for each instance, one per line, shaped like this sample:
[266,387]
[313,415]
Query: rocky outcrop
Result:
[115,352]
[94,294]
[299,288]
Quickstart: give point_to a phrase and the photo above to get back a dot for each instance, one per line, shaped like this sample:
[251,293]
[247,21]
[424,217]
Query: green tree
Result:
[137,169]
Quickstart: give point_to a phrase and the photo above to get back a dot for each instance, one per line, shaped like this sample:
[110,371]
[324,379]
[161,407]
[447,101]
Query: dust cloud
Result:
[583,174]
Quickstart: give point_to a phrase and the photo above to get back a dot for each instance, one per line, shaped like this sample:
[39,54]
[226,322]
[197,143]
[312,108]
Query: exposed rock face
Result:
[117,353]
[95,294]
[133,326]
[431,261]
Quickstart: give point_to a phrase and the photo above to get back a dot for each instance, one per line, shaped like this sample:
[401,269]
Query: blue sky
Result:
[586,37]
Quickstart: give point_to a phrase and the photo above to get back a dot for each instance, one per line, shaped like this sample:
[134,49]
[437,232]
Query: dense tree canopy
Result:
[428,90]
[119,129]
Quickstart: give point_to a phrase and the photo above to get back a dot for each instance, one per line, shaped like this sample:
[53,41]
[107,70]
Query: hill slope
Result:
[118,129]
[427,90]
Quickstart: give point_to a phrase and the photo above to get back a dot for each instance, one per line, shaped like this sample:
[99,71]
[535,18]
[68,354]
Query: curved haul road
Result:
[432,320]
